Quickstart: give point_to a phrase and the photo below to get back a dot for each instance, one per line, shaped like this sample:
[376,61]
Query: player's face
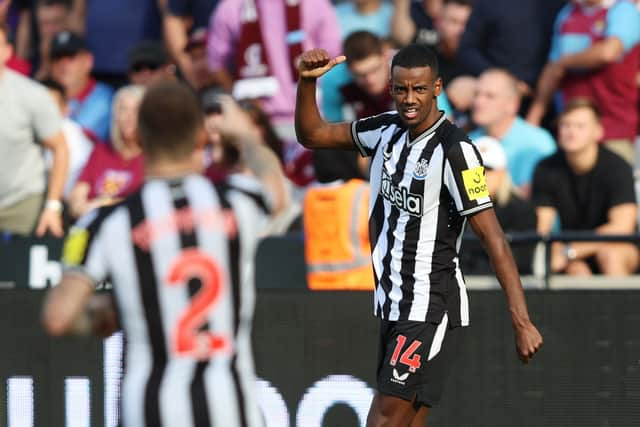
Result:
[578,130]
[414,91]
[371,74]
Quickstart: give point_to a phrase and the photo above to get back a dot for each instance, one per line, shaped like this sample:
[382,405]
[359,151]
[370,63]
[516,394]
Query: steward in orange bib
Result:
[337,248]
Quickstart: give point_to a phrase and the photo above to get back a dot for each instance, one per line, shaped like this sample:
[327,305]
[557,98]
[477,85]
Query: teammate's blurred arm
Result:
[311,129]
[64,309]
[487,228]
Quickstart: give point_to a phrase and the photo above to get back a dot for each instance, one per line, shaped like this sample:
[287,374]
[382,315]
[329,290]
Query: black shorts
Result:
[414,359]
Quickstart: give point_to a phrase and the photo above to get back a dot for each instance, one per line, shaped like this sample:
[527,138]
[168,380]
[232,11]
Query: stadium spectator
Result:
[252,50]
[52,17]
[513,211]
[184,17]
[253,46]
[79,145]
[243,143]
[595,54]
[114,27]
[586,187]
[450,26]
[414,21]
[495,110]
[510,35]
[365,15]
[89,100]
[366,94]
[196,50]
[113,170]
[149,63]
[30,120]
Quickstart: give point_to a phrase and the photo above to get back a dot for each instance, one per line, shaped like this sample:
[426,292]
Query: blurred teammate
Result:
[426,179]
[178,253]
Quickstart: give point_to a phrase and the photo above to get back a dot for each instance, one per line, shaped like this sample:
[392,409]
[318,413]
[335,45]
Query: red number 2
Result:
[408,357]
[188,340]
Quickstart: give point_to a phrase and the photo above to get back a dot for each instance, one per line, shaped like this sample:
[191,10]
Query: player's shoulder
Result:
[380,121]
[452,137]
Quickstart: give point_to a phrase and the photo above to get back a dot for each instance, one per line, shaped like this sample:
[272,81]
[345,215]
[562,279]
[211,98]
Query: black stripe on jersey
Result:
[258,199]
[188,239]
[151,305]
[412,236]
[234,265]
[393,223]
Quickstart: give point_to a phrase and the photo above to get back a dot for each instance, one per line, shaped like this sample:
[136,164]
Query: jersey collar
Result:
[428,131]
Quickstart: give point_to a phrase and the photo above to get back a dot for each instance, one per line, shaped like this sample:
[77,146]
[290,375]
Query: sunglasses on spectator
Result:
[136,68]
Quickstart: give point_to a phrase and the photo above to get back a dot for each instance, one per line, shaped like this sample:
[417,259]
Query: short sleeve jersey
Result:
[421,191]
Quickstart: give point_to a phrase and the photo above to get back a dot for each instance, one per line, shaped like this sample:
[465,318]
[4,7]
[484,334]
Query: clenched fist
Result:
[316,62]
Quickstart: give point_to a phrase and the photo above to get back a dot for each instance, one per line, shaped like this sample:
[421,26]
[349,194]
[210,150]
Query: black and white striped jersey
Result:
[179,254]
[421,192]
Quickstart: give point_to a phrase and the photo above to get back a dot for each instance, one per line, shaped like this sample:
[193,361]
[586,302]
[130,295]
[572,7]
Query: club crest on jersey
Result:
[420,172]
[400,196]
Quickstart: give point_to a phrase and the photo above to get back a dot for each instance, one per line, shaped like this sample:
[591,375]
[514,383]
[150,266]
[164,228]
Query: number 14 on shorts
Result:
[408,357]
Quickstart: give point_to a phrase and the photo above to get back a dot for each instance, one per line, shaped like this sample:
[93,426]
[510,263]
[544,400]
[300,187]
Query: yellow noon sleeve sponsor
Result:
[475,183]
[75,246]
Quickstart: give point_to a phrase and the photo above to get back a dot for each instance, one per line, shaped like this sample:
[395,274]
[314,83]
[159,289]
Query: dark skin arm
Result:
[487,228]
[311,129]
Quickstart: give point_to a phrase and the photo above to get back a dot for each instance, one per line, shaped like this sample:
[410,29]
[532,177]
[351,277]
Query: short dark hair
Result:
[53,85]
[580,103]
[360,45]
[416,55]
[168,120]
[65,3]
[459,2]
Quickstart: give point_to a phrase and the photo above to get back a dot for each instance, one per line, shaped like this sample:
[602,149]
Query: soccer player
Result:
[179,254]
[427,179]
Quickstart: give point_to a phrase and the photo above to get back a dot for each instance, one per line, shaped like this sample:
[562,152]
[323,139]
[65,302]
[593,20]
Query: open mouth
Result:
[410,113]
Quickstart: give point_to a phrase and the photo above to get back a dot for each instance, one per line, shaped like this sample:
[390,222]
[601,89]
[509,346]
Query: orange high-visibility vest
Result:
[337,248]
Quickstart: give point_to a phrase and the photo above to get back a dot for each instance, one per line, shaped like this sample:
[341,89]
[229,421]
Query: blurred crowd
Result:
[548,90]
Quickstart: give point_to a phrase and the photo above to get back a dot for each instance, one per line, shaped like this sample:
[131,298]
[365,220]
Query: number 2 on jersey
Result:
[408,357]
[188,339]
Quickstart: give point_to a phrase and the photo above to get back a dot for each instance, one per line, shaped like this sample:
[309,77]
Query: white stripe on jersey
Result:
[138,352]
[426,242]
[416,149]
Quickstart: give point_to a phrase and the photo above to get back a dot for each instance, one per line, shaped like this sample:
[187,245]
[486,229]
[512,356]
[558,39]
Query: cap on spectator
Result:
[492,153]
[67,43]
[198,37]
[149,54]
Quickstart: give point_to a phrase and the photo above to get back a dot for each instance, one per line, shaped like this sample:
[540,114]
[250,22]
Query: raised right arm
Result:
[312,130]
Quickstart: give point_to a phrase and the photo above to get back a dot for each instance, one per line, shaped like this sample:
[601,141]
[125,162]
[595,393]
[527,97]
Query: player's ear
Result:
[437,87]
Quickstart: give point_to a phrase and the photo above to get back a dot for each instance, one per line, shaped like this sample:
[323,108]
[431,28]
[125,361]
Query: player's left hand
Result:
[528,341]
